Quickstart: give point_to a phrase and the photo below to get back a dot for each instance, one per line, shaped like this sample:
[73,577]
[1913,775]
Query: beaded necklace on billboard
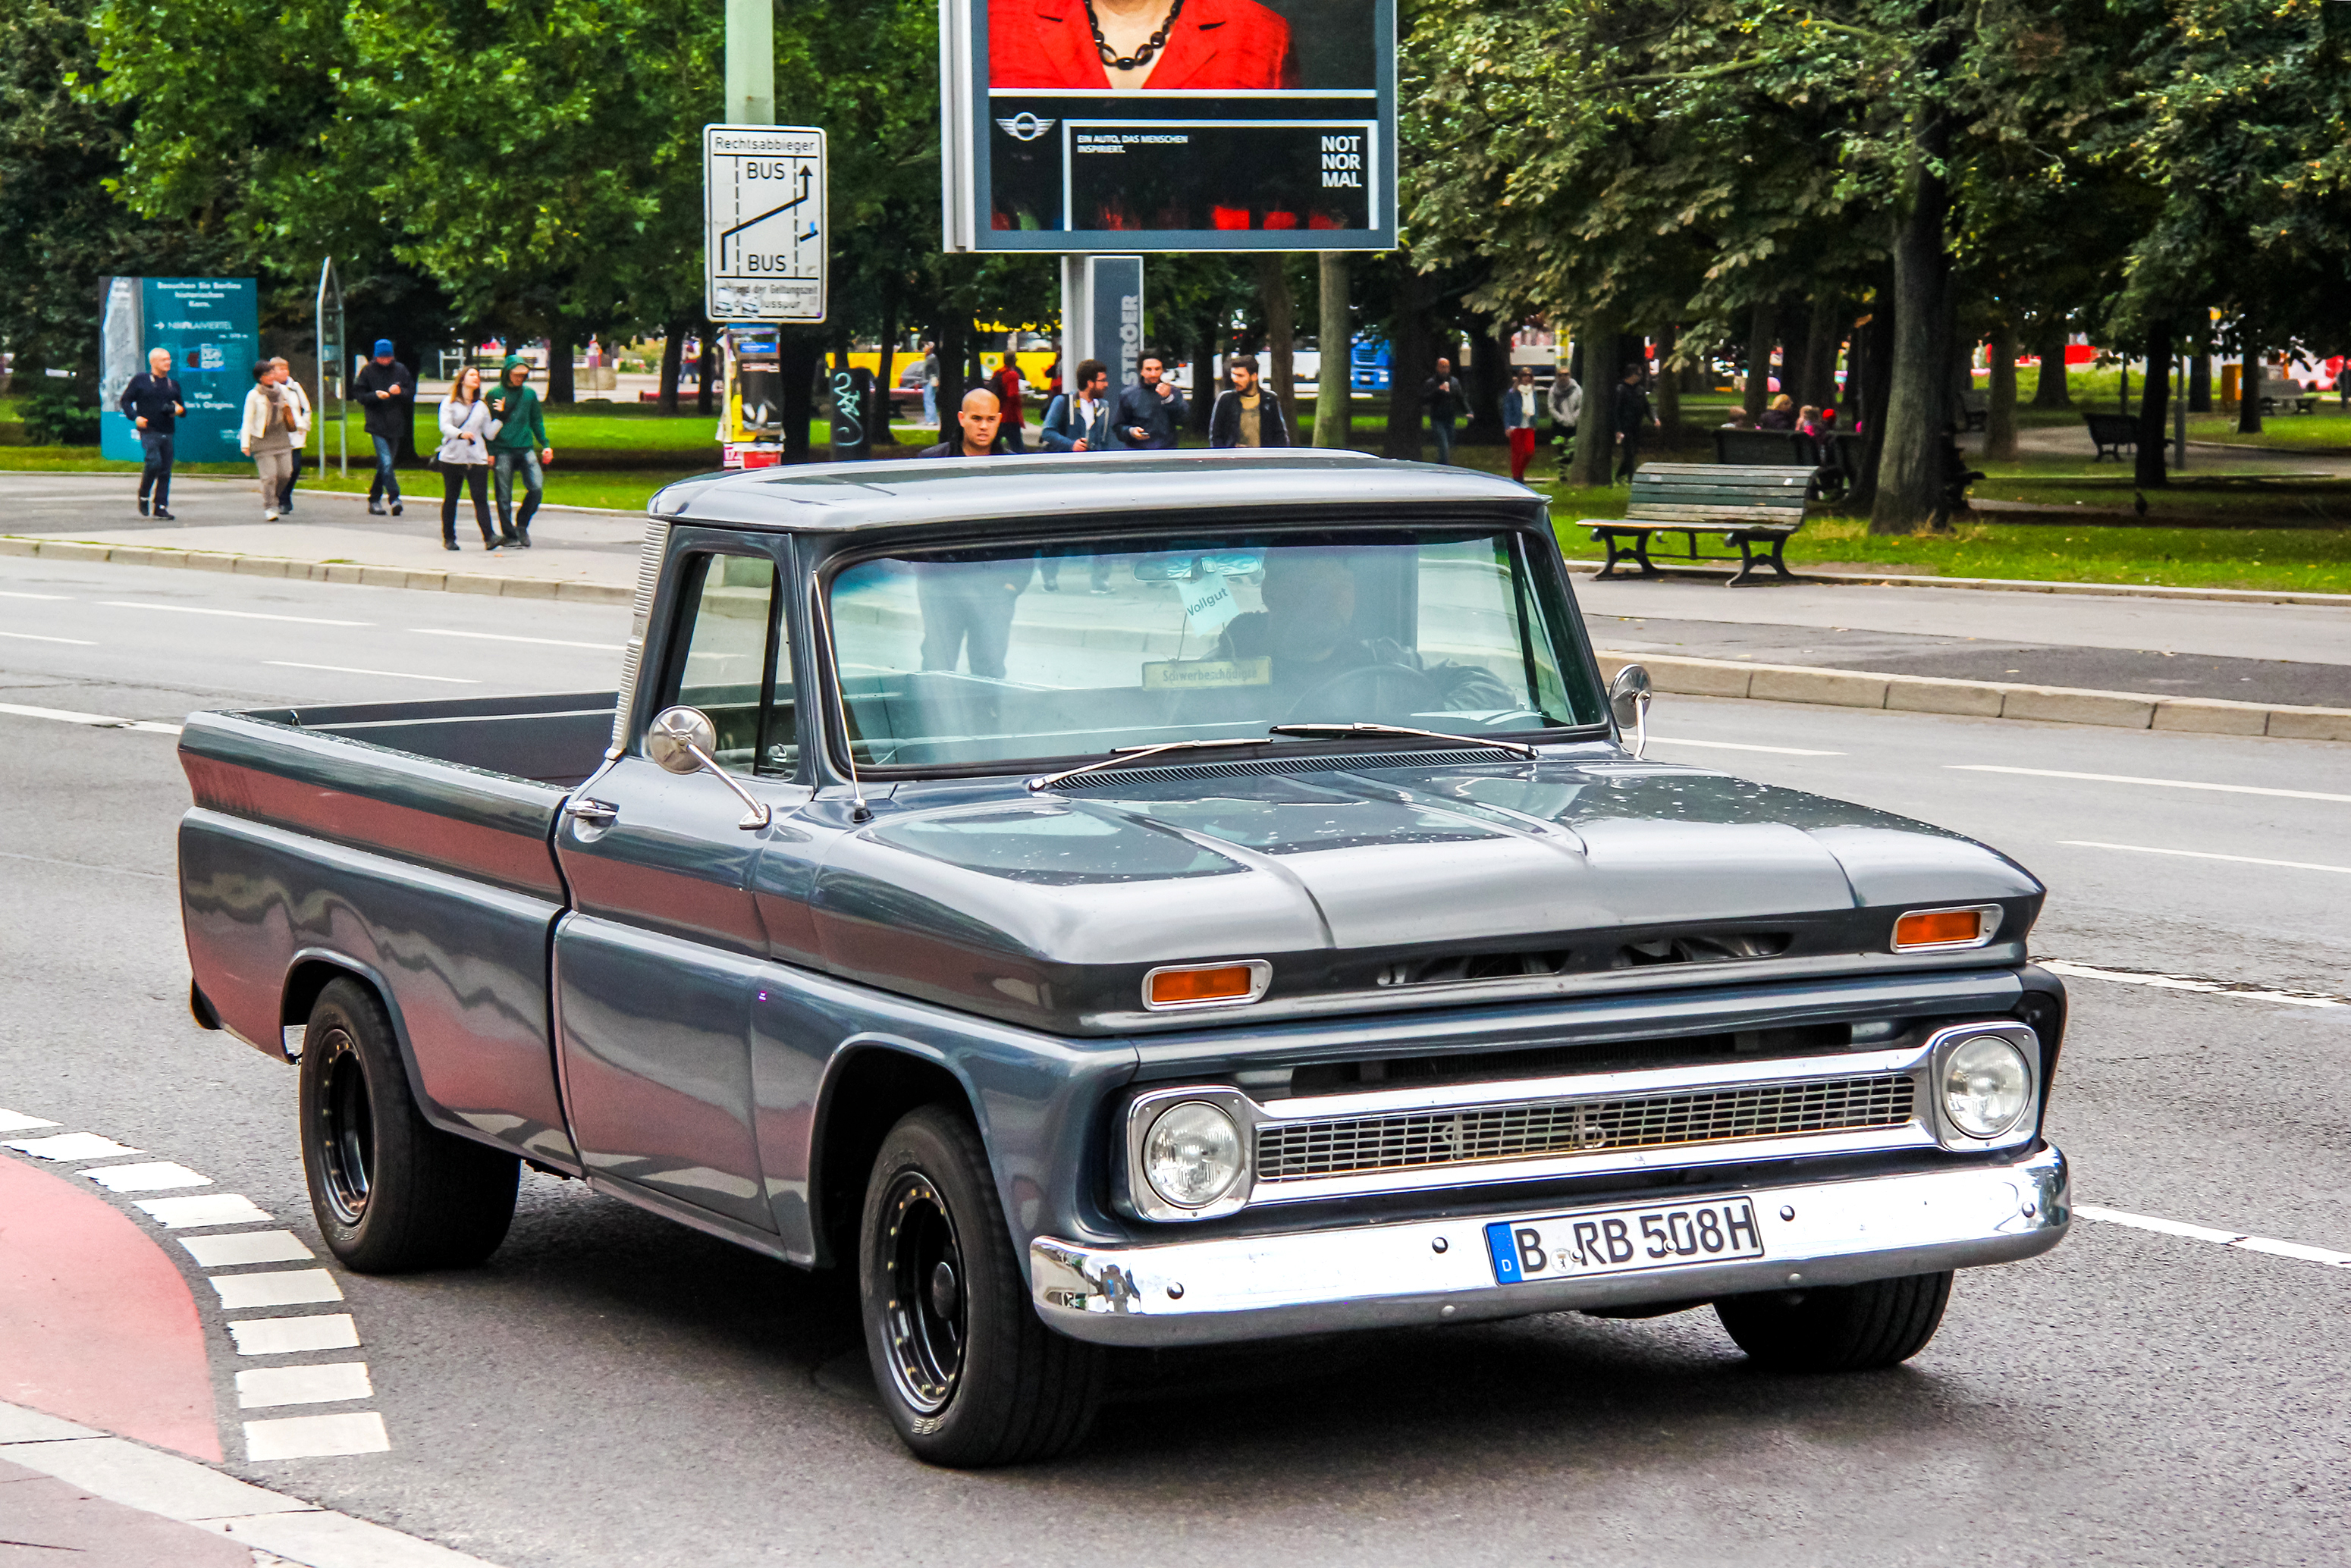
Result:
[1142,56]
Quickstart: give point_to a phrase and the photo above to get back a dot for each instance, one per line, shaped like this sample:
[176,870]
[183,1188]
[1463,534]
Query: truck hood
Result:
[1384,885]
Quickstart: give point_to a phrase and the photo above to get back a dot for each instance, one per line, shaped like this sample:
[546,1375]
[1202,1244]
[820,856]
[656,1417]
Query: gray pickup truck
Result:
[1130,900]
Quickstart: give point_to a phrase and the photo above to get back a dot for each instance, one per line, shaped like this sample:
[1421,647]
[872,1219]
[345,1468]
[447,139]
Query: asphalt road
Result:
[614,1390]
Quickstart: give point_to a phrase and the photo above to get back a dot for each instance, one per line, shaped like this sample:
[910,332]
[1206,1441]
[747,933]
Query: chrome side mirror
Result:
[681,741]
[1628,699]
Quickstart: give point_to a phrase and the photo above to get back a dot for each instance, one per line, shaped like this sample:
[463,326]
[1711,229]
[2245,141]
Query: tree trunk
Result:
[1203,402]
[1821,342]
[1280,305]
[559,383]
[2155,409]
[2249,385]
[1669,387]
[799,352]
[952,335]
[2052,391]
[1596,427]
[1911,493]
[976,345]
[1875,372]
[1999,424]
[879,430]
[1334,389]
[2199,379]
[673,364]
[1762,332]
[1409,363]
[1489,378]
[705,396]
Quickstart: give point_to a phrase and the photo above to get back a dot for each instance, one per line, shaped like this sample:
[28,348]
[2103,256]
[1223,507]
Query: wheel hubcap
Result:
[346,1130]
[921,1265]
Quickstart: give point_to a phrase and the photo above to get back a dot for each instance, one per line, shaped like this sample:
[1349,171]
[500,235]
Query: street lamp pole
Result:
[750,62]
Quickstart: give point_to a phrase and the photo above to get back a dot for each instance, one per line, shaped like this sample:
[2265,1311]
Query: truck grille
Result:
[1298,1150]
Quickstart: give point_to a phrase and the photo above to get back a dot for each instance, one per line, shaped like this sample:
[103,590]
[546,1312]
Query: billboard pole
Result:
[750,62]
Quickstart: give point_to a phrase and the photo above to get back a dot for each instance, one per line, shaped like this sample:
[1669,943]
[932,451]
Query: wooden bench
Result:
[1756,448]
[2287,397]
[1975,410]
[1750,506]
[2112,433]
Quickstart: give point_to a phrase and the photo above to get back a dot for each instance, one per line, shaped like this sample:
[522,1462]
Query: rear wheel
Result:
[392,1193]
[969,1374]
[1838,1328]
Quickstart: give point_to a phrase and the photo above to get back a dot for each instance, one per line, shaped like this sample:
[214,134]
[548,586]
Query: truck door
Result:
[656,967]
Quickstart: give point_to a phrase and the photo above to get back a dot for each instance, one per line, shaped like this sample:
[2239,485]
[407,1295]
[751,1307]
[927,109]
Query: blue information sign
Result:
[212,327]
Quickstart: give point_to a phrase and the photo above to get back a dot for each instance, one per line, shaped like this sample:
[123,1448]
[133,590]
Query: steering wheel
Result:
[1367,688]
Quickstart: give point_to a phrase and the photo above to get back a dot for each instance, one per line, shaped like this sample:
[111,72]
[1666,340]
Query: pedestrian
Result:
[1781,415]
[466,427]
[1633,419]
[268,433]
[1006,384]
[518,440]
[930,386]
[1440,399]
[978,429]
[1150,411]
[1080,423]
[301,401]
[1566,402]
[1247,414]
[387,394]
[155,404]
[1520,409]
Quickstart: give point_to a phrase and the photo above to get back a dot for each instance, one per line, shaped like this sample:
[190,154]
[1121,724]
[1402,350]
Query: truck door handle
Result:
[593,813]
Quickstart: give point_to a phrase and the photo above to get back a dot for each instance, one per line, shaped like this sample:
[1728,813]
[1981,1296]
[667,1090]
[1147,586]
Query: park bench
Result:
[1834,462]
[1750,506]
[2112,433]
[2287,397]
[1975,410]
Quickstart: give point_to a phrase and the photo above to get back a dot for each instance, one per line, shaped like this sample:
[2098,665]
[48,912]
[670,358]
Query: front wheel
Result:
[967,1371]
[1838,1328]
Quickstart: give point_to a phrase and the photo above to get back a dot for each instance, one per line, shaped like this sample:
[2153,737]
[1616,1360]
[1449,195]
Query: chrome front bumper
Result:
[1428,1271]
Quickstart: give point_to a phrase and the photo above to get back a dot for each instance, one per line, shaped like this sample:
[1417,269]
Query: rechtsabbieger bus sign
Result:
[1182,125]
[763,223]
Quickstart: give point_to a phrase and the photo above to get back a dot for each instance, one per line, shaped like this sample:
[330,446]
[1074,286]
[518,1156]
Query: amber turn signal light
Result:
[1207,984]
[1938,928]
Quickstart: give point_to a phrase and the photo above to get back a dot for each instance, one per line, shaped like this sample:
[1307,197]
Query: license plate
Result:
[1623,1240]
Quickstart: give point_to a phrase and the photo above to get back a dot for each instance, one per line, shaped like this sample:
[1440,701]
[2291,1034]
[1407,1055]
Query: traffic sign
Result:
[763,207]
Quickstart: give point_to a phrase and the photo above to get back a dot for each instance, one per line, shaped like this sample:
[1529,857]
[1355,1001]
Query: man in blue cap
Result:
[388,394]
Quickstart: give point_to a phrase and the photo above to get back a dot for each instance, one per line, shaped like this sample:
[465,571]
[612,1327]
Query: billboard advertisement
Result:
[212,327]
[1170,125]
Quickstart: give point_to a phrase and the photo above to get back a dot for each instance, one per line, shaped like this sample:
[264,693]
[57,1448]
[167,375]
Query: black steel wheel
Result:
[967,1371]
[1838,1328]
[392,1193]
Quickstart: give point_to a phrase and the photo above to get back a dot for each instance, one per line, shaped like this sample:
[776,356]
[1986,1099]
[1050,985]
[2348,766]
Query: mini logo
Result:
[1026,127]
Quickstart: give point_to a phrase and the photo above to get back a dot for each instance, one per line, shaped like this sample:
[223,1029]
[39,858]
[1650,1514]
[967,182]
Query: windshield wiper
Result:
[1123,754]
[1517,748]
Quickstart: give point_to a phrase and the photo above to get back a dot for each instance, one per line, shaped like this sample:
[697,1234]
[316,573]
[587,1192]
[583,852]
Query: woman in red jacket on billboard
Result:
[1198,46]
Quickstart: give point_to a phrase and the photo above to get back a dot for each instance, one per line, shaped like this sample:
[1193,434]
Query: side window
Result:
[733,663]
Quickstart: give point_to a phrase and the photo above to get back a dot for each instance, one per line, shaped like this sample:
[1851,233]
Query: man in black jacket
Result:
[1151,411]
[154,403]
[388,393]
[1440,397]
[1633,419]
[1248,414]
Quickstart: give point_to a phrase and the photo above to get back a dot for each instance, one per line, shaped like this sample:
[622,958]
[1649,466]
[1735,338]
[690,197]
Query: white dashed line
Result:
[1738,746]
[2205,855]
[10,1122]
[316,1436]
[96,720]
[60,597]
[393,675]
[277,1288]
[2161,783]
[2189,983]
[321,1382]
[245,1246]
[34,637]
[233,614]
[73,1147]
[158,1176]
[286,1336]
[502,637]
[212,1208]
[2237,1238]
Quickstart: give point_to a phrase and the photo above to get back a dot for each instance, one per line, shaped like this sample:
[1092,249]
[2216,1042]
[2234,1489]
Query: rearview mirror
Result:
[682,739]
[1628,700]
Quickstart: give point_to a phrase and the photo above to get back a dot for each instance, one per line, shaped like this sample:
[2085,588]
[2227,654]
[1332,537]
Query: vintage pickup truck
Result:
[1130,900]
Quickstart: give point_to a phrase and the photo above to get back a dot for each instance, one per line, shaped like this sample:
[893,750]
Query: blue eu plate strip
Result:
[1503,1248]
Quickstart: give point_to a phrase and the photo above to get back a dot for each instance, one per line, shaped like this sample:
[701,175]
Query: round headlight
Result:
[1986,1086]
[1192,1156]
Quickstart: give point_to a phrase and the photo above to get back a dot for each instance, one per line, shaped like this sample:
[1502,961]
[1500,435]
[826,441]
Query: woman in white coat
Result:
[465,456]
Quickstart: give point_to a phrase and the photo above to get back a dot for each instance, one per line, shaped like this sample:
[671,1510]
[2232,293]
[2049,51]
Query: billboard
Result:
[212,327]
[1168,125]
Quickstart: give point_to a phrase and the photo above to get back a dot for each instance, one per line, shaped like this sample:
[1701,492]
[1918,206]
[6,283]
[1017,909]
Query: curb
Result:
[1979,699]
[563,589]
[2010,585]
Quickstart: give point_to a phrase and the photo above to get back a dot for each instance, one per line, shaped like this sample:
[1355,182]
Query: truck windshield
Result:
[964,656]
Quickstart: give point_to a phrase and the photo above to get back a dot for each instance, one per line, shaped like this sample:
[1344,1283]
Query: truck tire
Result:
[392,1193]
[968,1372]
[1838,1328]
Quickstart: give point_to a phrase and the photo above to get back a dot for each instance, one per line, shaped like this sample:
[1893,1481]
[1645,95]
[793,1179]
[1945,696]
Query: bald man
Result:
[980,421]
[155,404]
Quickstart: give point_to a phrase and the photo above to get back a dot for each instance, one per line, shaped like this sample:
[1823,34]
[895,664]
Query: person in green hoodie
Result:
[518,441]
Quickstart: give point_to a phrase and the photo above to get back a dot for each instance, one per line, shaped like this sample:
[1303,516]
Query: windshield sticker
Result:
[1170,675]
[1209,603]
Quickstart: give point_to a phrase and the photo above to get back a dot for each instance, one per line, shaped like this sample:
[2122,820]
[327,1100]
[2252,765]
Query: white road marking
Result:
[1735,745]
[234,614]
[395,674]
[279,1287]
[153,1177]
[73,1147]
[69,641]
[285,1336]
[2189,983]
[2237,1238]
[101,721]
[2205,855]
[246,1247]
[17,1122]
[324,1383]
[314,1437]
[502,637]
[212,1208]
[5,594]
[2164,783]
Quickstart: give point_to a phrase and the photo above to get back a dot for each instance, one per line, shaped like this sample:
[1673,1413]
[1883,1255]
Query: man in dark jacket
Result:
[1633,419]
[979,426]
[1080,422]
[1247,414]
[387,391]
[154,403]
[1440,399]
[1150,411]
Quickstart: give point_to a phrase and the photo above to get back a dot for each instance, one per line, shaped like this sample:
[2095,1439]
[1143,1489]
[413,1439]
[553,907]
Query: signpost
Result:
[211,327]
[764,226]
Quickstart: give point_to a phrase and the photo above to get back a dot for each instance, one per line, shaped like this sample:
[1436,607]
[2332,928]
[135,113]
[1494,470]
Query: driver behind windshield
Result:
[1307,629]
